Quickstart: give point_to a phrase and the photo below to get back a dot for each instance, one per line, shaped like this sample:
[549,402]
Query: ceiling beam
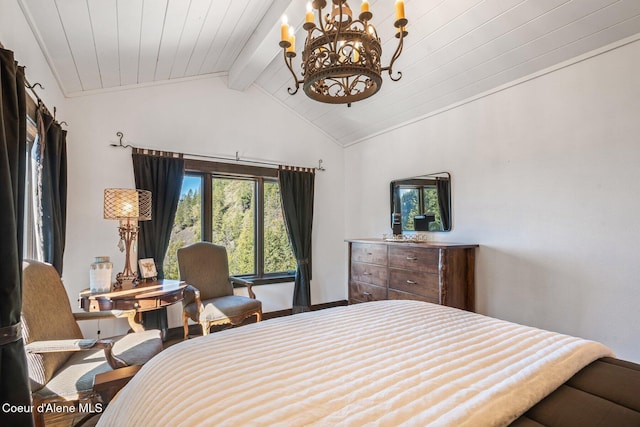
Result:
[262,47]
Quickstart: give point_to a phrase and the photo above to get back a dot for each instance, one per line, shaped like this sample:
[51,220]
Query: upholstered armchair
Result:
[209,298]
[62,364]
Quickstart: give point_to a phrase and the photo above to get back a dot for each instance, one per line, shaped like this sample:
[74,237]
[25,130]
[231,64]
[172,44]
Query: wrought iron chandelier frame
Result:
[341,59]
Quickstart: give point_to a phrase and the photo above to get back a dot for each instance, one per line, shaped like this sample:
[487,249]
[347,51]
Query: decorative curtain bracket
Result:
[121,145]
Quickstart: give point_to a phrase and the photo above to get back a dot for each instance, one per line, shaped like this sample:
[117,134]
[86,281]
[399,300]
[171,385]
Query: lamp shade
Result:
[125,203]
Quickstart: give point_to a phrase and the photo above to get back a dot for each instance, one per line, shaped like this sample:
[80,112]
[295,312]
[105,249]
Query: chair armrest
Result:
[107,384]
[191,294]
[54,346]
[243,282]
[94,315]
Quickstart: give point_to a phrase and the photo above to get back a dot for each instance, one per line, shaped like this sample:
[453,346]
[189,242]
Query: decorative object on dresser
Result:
[128,206]
[441,273]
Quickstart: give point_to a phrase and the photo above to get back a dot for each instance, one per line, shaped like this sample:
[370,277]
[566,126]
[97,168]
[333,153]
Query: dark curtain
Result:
[443,188]
[14,384]
[163,177]
[52,157]
[296,191]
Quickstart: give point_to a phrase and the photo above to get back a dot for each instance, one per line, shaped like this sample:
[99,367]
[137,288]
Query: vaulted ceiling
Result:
[455,50]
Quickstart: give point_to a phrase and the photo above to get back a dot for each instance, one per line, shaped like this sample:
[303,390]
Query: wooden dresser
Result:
[441,273]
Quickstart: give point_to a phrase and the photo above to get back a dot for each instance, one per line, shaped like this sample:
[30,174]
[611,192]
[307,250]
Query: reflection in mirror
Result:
[421,203]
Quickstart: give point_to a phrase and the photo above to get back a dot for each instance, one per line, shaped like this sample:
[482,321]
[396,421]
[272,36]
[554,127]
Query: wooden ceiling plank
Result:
[129,27]
[247,26]
[47,28]
[262,48]
[207,36]
[152,23]
[489,31]
[170,40]
[74,16]
[193,24]
[104,22]
[225,31]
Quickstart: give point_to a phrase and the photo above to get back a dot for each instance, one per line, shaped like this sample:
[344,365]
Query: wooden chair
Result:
[62,364]
[209,298]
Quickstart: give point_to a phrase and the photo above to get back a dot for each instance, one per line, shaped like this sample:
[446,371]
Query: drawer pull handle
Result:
[366,273]
[369,254]
[366,294]
[411,282]
[412,258]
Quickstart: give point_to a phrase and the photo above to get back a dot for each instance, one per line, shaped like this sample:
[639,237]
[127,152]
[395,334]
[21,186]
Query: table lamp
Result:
[128,206]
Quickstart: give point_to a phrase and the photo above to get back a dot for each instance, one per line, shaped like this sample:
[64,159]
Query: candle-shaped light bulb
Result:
[399,9]
[284,29]
[356,52]
[309,16]
[292,40]
[365,6]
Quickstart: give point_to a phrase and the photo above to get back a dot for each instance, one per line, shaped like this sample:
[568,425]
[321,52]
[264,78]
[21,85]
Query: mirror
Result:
[421,203]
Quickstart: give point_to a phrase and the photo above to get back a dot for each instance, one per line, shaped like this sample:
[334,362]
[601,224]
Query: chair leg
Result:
[185,324]
[38,417]
[205,328]
[259,316]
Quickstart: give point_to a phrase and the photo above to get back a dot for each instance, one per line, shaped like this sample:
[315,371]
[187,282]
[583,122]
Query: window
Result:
[238,207]
[419,201]
[31,249]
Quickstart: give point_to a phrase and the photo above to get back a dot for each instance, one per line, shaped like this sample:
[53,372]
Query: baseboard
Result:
[289,312]
[176,333]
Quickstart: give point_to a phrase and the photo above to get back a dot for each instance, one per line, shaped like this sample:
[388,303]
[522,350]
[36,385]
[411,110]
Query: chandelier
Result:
[341,59]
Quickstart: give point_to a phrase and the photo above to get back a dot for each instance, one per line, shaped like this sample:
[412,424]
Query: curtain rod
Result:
[237,158]
[32,88]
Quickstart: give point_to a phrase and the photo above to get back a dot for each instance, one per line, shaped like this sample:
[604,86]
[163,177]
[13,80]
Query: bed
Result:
[382,363]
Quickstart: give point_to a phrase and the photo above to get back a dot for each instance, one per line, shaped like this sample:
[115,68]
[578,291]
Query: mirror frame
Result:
[420,180]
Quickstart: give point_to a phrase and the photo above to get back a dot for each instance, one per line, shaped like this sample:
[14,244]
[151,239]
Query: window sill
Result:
[281,278]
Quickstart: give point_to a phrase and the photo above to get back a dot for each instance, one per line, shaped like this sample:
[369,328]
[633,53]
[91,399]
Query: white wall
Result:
[200,117]
[546,178]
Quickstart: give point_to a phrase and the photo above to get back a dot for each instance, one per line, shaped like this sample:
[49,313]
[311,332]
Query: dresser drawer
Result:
[365,292]
[393,294]
[369,253]
[424,284]
[369,273]
[415,259]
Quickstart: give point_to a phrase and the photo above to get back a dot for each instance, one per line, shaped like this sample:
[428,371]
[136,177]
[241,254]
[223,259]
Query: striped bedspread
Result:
[385,363]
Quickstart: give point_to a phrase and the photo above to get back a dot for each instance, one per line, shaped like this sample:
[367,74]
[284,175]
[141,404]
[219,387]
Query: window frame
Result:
[209,170]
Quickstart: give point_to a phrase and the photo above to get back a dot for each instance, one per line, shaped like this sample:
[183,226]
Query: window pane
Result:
[278,257]
[409,207]
[431,207]
[187,226]
[232,225]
